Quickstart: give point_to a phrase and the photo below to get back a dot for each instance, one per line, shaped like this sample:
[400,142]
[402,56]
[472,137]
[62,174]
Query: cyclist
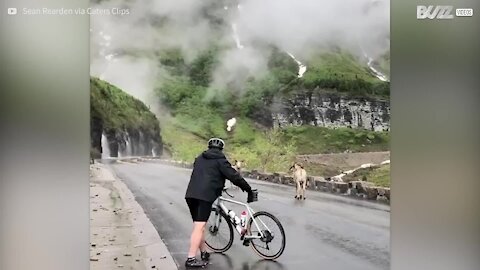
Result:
[207,181]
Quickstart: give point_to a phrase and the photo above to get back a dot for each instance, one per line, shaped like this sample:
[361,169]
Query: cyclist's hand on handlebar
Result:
[250,197]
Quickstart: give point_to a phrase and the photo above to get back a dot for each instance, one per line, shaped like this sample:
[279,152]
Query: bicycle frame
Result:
[219,203]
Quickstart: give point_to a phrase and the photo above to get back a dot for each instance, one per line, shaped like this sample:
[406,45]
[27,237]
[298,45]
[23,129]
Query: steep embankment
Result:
[121,124]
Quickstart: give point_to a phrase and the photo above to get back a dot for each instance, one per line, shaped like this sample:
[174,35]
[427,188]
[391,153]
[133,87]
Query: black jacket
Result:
[210,170]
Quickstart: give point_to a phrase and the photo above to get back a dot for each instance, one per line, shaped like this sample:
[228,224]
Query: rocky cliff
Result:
[330,109]
[121,125]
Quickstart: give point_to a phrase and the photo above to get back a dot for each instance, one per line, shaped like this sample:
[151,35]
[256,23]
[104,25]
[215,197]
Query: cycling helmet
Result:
[216,143]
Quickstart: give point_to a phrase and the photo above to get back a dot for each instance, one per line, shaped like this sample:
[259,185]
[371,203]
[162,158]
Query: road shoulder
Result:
[121,235]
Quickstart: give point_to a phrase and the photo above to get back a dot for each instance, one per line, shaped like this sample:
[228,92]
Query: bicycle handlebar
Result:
[230,195]
[254,191]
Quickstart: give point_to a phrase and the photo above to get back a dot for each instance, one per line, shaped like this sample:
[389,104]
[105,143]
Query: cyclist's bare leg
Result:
[203,246]
[197,238]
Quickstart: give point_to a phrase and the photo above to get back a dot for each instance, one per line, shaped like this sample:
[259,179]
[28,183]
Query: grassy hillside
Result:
[198,115]
[342,72]
[320,140]
[114,112]
[263,150]
[118,110]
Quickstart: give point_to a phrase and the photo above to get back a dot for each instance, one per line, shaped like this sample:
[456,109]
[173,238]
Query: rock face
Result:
[327,109]
[122,143]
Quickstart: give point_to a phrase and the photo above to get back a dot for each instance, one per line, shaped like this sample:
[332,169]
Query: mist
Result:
[123,48]
[307,25]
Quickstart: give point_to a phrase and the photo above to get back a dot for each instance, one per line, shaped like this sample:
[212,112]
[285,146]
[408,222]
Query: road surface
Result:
[323,232]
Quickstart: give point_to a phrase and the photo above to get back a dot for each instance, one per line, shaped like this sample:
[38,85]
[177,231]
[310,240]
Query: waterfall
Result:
[141,145]
[375,71]
[125,146]
[301,67]
[234,30]
[235,36]
[128,146]
[105,147]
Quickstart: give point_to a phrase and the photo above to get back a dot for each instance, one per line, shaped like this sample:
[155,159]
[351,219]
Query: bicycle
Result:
[250,232]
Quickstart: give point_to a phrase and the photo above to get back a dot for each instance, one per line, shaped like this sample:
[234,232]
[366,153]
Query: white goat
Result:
[300,178]
[237,165]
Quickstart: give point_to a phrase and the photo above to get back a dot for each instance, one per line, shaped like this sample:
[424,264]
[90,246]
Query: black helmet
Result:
[216,143]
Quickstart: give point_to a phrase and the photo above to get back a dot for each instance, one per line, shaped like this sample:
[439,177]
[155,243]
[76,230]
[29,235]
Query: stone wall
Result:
[327,109]
[359,189]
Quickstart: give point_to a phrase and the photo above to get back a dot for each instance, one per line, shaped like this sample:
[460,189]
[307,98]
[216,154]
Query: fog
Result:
[123,47]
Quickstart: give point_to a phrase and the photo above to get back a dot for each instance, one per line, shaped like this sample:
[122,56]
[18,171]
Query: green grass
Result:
[182,144]
[321,170]
[337,65]
[259,150]
[320,140]
[342,72]
[379,175]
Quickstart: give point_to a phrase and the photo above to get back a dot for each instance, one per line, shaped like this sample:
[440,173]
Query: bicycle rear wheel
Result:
[272,245]
[218,238]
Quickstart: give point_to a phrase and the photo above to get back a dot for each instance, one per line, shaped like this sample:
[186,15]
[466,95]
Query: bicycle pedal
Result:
[246,242]
[242,237]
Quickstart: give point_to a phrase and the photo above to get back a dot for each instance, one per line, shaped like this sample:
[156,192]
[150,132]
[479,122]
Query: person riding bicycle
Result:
[207,181]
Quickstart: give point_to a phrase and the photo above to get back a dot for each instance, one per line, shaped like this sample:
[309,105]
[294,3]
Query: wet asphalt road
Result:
[324,232]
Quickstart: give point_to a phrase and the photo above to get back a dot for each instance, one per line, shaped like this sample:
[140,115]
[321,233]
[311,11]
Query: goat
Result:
[237,165]
[300,178]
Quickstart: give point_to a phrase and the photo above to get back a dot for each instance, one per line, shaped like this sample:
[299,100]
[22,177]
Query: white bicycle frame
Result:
[219,203]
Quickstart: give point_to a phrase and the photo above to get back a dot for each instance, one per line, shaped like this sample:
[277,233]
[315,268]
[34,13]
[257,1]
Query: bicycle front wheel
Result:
[273,242]
[218,232]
